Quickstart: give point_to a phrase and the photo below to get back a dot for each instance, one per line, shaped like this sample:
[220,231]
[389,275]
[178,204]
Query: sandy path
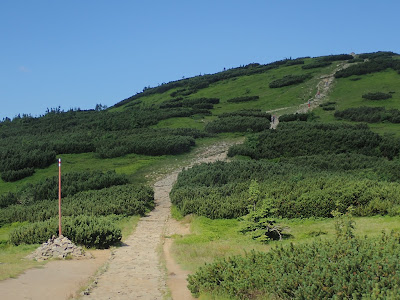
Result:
[323,88]
[176,279]
[141,269]
[135,270]
[59,279]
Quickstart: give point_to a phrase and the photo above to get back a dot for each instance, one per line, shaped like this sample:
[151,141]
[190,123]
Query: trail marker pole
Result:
[59,197]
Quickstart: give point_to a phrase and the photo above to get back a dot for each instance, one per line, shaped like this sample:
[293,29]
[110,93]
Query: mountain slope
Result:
[86,138]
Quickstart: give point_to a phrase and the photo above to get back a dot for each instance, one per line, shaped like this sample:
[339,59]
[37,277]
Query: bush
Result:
[372,66]
[289,80]
[377,96]
[238,124]
[304,138]
[369,114]
[89,231]
[330,105]
[72,183]
[336,57]
[316,197]
[259,223]
[378,54]
[196,102]
[211,202]
[149,141]
[17,164]
[342,269]
[316,64]
[220,190]
[110,134]
[158,144]
[182,92]
[293,62]
[127,200]
[355,60]
[247,113]
[309,186]
[8,199]
[14,175]
[294,117]
[243,99]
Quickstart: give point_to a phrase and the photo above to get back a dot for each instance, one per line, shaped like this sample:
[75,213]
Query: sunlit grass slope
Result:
[251,85]
[347,93]
[128,164]
[220,238]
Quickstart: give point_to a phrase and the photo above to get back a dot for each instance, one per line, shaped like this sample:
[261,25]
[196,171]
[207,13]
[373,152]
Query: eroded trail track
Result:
[323,87]
[135,270]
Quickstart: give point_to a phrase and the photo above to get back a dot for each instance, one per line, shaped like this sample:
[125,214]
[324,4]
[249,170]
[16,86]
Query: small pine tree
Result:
[254,194]
[344,223]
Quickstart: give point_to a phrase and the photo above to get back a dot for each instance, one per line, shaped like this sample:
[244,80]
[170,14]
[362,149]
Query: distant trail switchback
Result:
[323,88]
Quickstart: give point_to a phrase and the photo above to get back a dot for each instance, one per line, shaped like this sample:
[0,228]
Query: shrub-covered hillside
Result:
[106,153]
[329,164]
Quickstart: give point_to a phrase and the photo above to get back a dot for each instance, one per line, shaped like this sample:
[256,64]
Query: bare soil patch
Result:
[59,279]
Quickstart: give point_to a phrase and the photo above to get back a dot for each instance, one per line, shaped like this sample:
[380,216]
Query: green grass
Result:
[220,238]
[128,164]
[139,168]
[386,128]
[13,262]
[175,213]
[211,239]
[6,229]
[348,93]
[127,226]
[196,122]
[257,84]
[152,172]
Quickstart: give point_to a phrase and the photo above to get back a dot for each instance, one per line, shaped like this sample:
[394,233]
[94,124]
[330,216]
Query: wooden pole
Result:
[59,197]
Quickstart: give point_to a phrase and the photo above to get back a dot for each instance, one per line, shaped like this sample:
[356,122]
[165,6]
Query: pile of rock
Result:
[60,247]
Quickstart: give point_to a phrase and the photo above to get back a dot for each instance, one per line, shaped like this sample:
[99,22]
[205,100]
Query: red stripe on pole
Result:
[59,197]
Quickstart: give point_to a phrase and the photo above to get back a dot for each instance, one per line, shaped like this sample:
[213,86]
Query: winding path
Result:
[323,87]
[135,270]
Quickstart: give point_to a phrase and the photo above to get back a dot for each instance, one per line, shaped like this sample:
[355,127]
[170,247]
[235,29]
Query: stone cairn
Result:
[60,247]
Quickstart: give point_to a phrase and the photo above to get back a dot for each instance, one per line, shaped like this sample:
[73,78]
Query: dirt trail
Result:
[135,270]
[176,279]
[59,279]
[323,88]
[142,268]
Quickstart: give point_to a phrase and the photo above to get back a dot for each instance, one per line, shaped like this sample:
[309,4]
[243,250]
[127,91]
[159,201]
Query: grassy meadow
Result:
[347,93]
[220,238]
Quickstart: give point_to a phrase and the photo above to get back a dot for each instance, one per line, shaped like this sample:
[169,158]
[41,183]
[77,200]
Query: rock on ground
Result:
[60,247]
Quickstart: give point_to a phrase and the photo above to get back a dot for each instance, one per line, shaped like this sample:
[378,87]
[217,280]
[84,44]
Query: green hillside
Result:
[332,159]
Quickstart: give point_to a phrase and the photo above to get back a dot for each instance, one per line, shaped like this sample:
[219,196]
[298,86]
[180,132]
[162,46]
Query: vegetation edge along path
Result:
[135,270]
[323,87]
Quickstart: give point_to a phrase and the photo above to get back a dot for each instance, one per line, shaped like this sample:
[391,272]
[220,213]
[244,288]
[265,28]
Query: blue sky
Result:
[80,53]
